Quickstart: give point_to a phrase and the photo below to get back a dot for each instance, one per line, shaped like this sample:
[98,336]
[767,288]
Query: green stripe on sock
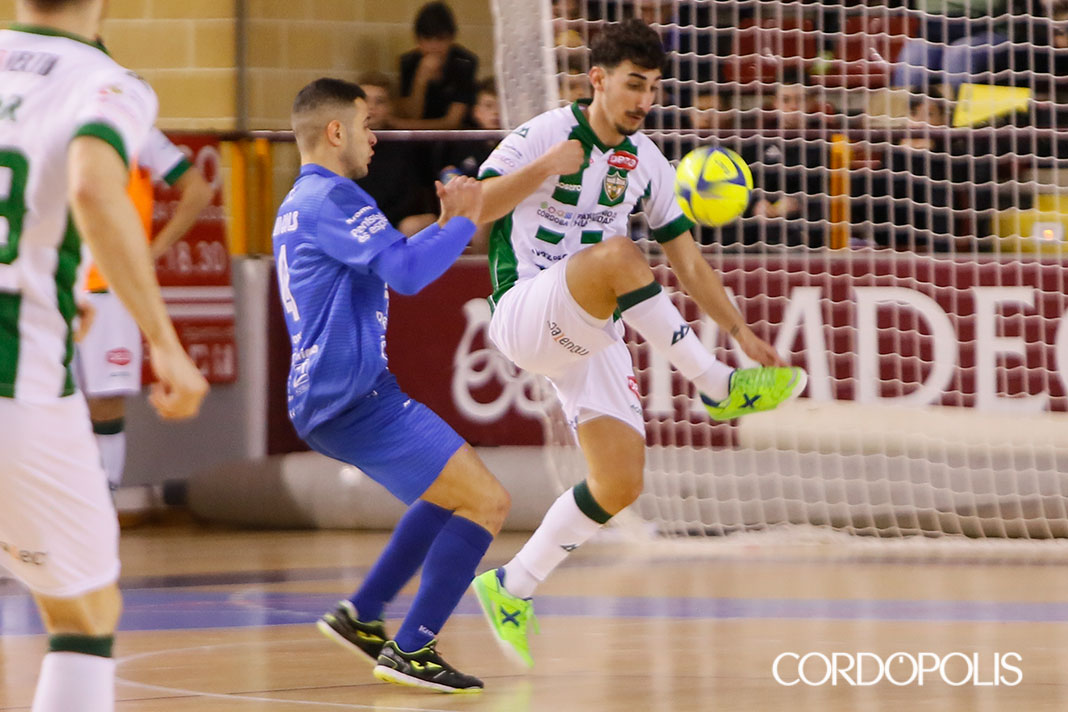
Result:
[109,427]
[626,301]
[98,646]
[588,505]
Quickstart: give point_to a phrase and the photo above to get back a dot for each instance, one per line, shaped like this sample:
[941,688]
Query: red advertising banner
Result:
[878,328]
[195,273]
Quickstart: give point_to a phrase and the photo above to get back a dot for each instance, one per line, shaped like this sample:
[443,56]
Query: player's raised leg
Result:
[615,274]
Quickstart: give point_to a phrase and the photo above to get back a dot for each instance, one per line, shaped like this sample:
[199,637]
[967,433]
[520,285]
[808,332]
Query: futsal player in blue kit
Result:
[335,253]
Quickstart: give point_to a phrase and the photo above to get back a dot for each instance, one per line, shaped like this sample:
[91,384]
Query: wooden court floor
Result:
[222,620]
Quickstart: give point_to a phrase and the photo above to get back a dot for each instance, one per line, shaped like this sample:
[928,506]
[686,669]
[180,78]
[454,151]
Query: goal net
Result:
[905,244]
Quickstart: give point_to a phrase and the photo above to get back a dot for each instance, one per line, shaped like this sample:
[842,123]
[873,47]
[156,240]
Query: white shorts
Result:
[58,529]
[542,329]
[108,359]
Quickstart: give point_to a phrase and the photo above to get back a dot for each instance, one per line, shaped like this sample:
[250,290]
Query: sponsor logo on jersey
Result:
[26,556]
[371,226]
[119,357]
[605,217]
[555,215]
[624,160]
[522,131]
[632,384]
[564,340]
[547,256]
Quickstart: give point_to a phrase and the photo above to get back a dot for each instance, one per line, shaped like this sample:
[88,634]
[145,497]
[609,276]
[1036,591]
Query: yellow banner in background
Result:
[979,103]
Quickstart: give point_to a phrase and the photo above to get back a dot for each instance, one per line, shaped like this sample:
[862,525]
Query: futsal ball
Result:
[712,185]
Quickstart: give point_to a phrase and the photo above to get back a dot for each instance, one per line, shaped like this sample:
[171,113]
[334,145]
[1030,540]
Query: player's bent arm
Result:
[108,222]
[500,194]
[197,194]
[410,265]
[702,283]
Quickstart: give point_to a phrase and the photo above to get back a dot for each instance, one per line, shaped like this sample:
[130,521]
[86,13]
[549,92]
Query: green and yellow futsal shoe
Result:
[509,616]
[343,627]
[424,668]
[754,390]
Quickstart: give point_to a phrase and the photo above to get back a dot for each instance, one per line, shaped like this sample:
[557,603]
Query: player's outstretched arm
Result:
[107,221]
[500,194]
[703,284]
[409,265]
[196,194]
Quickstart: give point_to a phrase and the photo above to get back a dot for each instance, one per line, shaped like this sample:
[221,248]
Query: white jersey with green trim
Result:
[566,214]
[53,88]
[164,161]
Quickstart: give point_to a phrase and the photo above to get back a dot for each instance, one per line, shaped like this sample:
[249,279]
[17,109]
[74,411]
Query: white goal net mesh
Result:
[905,244]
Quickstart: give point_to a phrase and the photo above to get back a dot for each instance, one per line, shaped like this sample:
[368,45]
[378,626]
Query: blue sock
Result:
[402,557]
[449,568]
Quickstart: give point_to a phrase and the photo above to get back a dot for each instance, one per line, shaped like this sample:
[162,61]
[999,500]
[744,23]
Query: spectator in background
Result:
[911,199]
[464,157]
[959,39]
[789,172]
[438,76]
[401,193]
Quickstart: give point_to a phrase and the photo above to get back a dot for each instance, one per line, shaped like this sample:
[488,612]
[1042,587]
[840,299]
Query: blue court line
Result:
[183,610]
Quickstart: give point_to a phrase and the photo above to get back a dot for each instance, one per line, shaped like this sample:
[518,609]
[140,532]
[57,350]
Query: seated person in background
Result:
[464,157]
[789,174]
[925,110]
[394,179]
[438,76]
[907,199]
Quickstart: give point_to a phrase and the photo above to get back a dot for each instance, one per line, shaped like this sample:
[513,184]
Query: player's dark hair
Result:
[326,91]
[630,39]
[323,93]
[435,21]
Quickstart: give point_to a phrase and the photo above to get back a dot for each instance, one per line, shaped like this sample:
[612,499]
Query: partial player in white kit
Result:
[561,189]
[108,357]
[69,118]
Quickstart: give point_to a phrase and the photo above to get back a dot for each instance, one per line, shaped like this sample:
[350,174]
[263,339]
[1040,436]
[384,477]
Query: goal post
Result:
[905,244]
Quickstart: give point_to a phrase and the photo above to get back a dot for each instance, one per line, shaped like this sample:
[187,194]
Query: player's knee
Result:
[96,613]
[619,493]
[496,504]
[622,257]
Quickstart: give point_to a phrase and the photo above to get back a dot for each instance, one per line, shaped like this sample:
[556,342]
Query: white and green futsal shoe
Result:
[509,616]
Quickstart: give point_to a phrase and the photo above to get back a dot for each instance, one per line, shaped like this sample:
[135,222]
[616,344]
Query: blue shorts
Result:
[396,441]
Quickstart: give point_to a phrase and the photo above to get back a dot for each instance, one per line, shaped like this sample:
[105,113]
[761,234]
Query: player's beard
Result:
[626,131]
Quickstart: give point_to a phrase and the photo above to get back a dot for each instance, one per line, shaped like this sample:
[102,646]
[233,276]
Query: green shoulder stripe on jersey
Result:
[52,32]
[70,256]
[673,229]
[104,132]
[488,173]
[503,263]
[177,172]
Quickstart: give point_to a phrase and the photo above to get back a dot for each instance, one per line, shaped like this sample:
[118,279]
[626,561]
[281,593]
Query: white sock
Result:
[72,681]
[112,456]
[564,528]
[650,311]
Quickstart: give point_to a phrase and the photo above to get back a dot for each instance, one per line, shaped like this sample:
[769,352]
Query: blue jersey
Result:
[327,233]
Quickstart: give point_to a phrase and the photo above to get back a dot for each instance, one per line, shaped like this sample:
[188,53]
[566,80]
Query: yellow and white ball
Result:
[713,185]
